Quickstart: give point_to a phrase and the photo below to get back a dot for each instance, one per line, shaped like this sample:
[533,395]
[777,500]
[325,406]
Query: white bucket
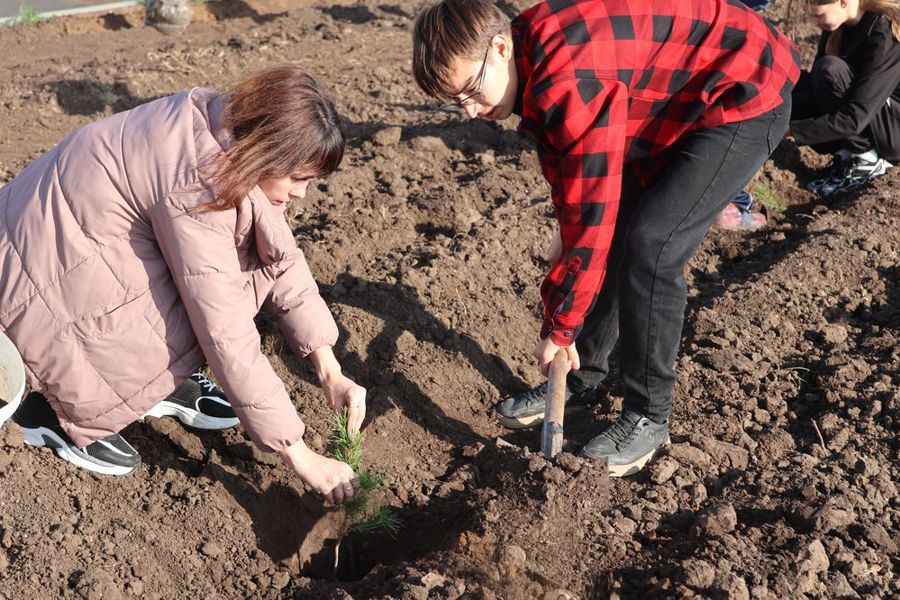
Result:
[14,369]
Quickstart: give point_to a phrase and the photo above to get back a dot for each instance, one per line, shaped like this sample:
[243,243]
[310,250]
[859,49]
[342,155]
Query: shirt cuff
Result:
[560,336]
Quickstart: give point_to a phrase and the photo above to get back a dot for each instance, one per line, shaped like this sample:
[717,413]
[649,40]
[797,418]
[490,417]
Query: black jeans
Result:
[823,90]
[658,229]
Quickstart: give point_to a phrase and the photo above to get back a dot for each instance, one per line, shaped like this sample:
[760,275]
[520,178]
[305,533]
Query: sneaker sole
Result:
[190,417]
[636,465]
[738,227]
[531,420]
[42,436]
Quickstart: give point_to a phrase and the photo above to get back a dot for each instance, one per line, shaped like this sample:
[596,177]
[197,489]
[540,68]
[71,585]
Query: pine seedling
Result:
[383,519]
[345,447]
[361,517]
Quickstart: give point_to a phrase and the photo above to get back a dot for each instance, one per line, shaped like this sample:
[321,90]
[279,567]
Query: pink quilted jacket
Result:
[114,289]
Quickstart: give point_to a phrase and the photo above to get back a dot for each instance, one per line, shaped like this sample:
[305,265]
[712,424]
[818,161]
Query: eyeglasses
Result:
[460,105]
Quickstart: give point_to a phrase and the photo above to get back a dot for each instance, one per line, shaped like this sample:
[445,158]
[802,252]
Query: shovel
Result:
[552,438]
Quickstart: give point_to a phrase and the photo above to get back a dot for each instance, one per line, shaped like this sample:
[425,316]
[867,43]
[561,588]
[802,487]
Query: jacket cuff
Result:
[273,427]
[561,336]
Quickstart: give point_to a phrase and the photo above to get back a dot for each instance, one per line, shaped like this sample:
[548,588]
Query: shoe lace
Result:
[208,386]
[622,433]
[851,165]
[538,393]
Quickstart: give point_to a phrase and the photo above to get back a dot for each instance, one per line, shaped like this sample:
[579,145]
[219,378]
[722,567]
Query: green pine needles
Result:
[361,517]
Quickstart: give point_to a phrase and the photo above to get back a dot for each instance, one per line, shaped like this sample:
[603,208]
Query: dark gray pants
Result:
[823,91]
[658,229]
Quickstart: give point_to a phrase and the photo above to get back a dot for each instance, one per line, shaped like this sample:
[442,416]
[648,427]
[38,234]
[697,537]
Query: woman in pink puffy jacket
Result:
[144,244]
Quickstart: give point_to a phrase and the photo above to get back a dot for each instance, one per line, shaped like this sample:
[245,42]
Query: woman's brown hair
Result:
[283,122]
[448,31]
[889,8]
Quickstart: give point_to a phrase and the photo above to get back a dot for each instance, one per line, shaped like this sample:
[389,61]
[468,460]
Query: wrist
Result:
[326,363]
[296,454]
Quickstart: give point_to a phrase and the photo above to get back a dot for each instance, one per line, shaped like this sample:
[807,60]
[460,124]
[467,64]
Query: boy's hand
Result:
[546,350]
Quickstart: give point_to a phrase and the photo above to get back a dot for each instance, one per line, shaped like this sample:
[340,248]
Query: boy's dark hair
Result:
[448,31]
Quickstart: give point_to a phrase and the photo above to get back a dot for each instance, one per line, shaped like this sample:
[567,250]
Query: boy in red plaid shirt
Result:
[648,115]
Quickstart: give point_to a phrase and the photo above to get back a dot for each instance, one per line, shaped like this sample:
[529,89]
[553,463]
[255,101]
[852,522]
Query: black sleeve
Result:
[823,44]
[873,84]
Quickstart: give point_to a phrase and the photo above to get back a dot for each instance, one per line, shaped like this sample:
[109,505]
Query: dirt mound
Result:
[781,478]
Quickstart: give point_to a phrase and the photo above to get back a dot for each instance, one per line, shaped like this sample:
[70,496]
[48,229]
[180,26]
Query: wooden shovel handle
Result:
[552,439]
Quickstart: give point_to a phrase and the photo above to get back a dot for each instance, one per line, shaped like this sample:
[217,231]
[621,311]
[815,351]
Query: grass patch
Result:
[362,517]
[765,196]
[24,16]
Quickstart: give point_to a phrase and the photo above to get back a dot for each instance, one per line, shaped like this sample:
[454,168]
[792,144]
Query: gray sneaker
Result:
[527,409]
[628,444]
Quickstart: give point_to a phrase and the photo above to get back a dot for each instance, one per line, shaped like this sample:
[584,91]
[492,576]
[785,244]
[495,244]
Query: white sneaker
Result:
[849,171]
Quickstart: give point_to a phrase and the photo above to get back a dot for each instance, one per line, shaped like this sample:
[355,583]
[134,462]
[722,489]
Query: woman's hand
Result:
[332,478]
[340,390]
[546,350]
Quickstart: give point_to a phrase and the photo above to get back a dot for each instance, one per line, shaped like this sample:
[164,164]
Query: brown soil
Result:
[781,479]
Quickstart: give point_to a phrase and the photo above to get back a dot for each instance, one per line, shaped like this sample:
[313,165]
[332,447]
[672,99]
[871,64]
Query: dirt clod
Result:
[699,573]
[211,549]
[827,518]
[716,521]
[662,470]
[388,136]
[732,586]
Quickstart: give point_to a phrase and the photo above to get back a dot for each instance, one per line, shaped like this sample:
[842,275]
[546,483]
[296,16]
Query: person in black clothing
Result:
[848,105]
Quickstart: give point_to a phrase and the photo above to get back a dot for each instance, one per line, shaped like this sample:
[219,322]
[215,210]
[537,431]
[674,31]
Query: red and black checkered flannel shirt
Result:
[604,84]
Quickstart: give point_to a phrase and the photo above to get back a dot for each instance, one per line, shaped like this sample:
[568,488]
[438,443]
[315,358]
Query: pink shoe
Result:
[733,219]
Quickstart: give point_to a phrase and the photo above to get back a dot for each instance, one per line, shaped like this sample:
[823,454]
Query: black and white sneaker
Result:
[525,410]
[110,456]
[848,171]
[199,403]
